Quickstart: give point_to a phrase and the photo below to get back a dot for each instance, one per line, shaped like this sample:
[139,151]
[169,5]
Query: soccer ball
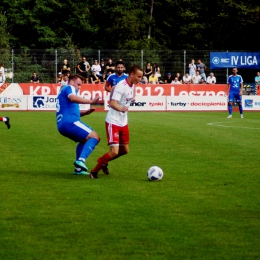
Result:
[154,173]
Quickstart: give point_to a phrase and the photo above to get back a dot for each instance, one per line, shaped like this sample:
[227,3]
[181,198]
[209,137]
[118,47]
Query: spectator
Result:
[94,79]
[157,71]
[176,81]
[211,79]
[35,78]
[83,68]
[2,68]
[110,67]
[153,78]
[65,80]
[65,69]
[59,77]
[144,79]
[148,70]
[186,79]
[169,78]
[197,78]
[103,68]
[201,67]
[257,78]
[178,75]
[97,68]
[192,68]
[2,77]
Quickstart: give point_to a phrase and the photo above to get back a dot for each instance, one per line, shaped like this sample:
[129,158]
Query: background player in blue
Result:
[114,78]
[68,122]
[235,86]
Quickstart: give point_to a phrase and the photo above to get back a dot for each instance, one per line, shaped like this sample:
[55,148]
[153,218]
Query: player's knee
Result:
[93,135]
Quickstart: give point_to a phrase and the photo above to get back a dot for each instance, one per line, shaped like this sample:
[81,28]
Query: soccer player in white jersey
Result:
[235,86]
[69,124]
[117,120]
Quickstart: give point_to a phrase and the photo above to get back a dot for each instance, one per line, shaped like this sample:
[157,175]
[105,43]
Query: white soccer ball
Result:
[154,173]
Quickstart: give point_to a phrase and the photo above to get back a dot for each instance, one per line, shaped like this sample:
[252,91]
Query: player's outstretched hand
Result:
[89,111]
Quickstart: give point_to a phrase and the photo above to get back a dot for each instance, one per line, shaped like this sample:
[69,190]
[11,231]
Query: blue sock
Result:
[88,148]
[230,109]
[240,109]
[79,149]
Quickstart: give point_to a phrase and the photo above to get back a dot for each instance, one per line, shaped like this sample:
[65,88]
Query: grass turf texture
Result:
[206,207]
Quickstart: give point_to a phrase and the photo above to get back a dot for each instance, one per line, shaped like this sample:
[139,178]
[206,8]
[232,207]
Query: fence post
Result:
[184,63]
[227,73]
[142,58]
[56,65]
[12,66]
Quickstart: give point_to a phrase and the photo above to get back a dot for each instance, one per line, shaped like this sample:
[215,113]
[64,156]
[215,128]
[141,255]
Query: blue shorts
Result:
[233,95]
[77,131]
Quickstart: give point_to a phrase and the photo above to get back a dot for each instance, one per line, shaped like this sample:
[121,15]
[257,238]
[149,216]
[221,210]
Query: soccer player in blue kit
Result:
[114,78]
[69,125]
[235,86]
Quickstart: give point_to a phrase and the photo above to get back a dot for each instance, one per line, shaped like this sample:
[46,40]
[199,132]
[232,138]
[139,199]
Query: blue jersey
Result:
[113,79]
[67,111]
[235,83]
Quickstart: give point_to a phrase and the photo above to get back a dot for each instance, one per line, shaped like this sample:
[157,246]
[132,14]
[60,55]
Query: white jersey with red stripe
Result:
[123,94]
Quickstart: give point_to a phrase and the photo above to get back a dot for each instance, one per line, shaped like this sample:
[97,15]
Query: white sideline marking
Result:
[220,125]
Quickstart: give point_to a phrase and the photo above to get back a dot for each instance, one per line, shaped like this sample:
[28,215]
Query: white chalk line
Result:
[220,125]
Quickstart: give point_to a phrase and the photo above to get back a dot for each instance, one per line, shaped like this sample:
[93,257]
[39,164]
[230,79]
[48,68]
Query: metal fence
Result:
[20,64]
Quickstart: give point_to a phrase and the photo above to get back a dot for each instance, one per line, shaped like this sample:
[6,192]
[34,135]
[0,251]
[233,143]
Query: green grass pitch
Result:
[207,205]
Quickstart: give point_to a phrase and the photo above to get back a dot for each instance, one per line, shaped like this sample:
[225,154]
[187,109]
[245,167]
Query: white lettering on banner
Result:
[234,60]
[172,91]
[148,89]
[160,90]
[244,60]
[45,90]
[201,93]
[87,94]
[196,103]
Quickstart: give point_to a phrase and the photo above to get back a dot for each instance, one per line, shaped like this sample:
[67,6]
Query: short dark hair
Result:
[134,69]
[120,62]
[75,76]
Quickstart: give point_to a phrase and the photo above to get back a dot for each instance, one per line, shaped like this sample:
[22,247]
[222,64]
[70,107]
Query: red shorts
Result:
[117,135]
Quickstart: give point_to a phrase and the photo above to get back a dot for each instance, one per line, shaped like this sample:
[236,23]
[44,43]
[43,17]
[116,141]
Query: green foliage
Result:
[175,24]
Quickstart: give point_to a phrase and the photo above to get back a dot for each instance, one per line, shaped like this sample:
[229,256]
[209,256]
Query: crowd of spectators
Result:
[98,73]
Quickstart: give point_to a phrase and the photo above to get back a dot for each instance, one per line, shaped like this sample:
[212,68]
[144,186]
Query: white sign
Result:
[251,103]
[144,103]
[196,103]
[13,102]
[47,103]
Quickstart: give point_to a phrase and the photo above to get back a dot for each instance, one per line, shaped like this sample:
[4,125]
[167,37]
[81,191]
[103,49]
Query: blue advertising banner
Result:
[245,60]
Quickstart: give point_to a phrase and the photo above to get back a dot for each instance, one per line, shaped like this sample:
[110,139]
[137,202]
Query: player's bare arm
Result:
[87,112]
[241,89]
[74,98]
[114,104]
[108,86]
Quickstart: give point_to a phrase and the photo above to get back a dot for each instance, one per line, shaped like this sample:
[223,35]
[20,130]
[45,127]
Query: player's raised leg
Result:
[6,120]
[85,148]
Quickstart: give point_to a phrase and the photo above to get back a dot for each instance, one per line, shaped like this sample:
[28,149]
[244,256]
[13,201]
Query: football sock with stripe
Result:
[88,148]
